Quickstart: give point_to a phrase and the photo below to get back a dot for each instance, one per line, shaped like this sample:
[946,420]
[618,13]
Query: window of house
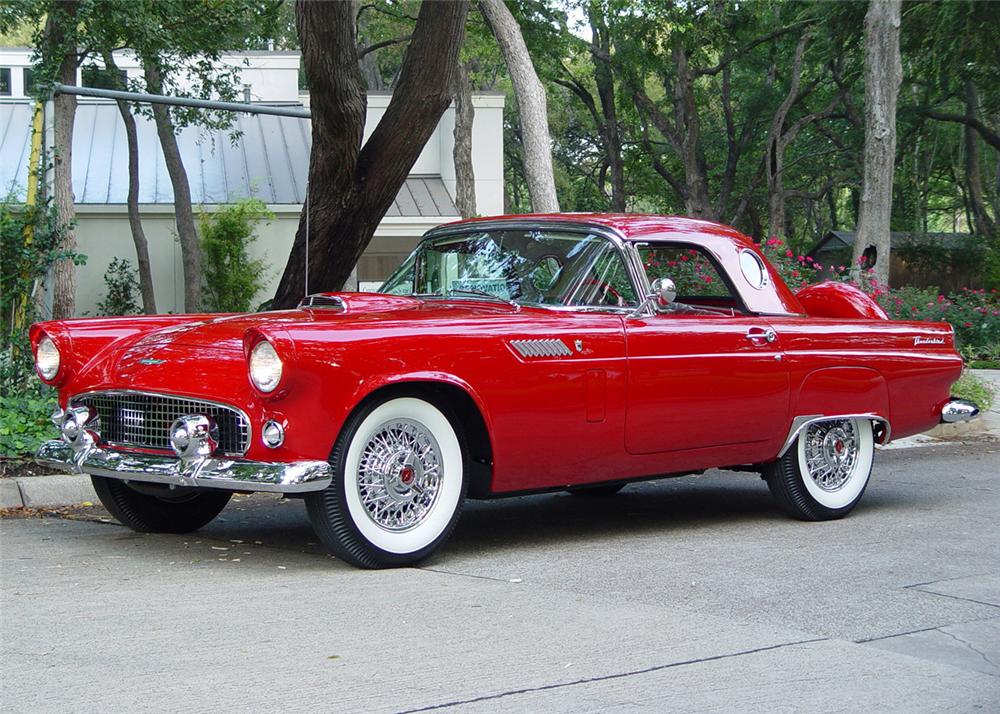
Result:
[28,75]
[5,82]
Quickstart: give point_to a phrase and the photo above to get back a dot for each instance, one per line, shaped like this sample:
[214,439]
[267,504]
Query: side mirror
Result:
[663,293]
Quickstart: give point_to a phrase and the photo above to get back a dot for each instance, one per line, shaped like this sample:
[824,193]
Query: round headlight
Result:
[47,358]
[265,366]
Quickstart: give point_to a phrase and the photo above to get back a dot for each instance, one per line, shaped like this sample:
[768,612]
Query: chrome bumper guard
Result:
[957,410]
[294,477]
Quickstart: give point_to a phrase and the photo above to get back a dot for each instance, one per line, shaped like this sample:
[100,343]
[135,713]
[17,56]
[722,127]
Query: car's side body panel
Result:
[568,397]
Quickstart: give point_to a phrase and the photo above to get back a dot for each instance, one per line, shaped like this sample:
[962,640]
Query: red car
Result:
[505,356]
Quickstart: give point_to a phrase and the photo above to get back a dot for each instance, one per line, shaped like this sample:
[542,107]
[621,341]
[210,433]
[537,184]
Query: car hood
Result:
[209,351]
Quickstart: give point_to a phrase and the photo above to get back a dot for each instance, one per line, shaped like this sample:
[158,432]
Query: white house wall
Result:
[104,234]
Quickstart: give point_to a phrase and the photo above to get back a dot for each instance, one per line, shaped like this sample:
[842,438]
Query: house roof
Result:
[838,239]
[268,160]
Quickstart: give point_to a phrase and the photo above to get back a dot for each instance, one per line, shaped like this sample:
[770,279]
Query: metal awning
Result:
[268,159]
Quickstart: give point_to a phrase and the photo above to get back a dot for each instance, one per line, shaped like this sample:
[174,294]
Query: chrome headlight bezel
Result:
[265,367]
[47,358]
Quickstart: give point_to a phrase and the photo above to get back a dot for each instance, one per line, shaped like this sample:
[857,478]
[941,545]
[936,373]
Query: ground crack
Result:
[958,639]
[606,677]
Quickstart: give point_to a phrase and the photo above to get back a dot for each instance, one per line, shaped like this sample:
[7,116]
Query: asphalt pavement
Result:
[691,595]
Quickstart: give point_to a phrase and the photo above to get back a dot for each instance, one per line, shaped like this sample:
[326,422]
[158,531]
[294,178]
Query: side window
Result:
[694,275]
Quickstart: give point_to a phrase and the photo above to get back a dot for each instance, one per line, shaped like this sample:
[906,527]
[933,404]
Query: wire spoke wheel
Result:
[398,485]
[826,471]
[399,474]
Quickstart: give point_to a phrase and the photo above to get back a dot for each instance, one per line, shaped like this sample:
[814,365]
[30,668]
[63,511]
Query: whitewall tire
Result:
[825,472]
[398,485]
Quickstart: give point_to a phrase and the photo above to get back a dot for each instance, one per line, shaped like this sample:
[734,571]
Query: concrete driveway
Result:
[687,595]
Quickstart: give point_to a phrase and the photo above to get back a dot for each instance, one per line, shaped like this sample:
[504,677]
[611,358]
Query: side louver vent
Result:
[541,348]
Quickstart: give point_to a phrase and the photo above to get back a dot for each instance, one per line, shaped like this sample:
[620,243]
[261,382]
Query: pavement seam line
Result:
[953,597]
[607,677]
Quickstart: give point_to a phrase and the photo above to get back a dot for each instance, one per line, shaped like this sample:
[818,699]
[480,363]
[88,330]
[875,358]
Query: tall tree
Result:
[61,46]
[132,201]
[532,105]
[883,75]
[465,115]
[352,186]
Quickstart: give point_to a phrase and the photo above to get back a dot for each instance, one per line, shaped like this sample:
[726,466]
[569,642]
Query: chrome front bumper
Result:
[294,477]
[957,410]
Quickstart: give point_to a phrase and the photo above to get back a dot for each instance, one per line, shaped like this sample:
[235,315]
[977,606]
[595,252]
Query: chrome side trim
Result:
[958,410]
[541,348]
[801,422]
[293,477]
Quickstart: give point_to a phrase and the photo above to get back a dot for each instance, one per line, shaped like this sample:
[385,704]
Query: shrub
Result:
[232,278]
[25,406]
[974,314]
[25,402]
[122,286]
[976,390]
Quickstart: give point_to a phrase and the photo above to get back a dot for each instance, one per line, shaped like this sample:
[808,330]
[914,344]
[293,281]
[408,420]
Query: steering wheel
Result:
[607,290]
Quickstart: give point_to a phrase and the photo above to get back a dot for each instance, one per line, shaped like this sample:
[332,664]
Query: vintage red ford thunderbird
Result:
[505,355]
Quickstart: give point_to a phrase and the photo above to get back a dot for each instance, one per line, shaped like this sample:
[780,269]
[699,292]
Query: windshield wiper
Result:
[471,291]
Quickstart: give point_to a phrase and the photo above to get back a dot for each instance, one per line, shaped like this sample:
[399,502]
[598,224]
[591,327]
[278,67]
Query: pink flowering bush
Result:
[975,314]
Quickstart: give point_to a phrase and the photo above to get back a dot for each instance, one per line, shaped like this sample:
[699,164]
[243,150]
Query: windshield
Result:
[529,267]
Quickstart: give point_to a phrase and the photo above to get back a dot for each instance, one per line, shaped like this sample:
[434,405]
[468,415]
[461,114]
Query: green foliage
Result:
[25,405]
[232,278]
[976,390]
[25,402]
[29,243]
[122,283]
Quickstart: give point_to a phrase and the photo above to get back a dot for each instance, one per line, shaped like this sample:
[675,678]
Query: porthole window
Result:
[753,269]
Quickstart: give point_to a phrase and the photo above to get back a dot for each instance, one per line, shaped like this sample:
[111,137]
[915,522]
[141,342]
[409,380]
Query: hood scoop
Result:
[357,302]
[324,300]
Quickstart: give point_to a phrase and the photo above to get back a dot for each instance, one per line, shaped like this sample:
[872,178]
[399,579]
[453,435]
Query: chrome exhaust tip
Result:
[958,410]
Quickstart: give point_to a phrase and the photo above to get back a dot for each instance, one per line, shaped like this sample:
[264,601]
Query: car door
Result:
[708,376]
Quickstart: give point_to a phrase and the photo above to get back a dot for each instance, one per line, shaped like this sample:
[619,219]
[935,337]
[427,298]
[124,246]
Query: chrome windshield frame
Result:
[637,277]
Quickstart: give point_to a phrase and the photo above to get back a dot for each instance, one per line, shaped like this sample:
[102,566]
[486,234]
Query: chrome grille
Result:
[143,420]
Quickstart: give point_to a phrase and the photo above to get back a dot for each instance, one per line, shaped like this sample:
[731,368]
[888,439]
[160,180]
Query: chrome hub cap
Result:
[831,453]
[399,474]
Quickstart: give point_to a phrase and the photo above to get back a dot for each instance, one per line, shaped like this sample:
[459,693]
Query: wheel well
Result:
[464,415]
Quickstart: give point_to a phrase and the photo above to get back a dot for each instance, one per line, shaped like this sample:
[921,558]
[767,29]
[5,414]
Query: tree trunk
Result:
[611,133]
[531,105]
[350,187]
[883,75]
[698,203]
[983,224]
[134,221]
[183,212]
[59,30]
[776,146]
[465,113]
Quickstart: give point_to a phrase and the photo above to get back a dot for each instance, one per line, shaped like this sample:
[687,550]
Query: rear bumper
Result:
[957,410]
[232,475]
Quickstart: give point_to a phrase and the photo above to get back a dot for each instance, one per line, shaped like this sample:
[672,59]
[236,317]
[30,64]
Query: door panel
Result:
[697,381]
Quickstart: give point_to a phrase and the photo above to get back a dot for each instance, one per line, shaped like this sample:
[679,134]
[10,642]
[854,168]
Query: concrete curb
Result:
[46,491]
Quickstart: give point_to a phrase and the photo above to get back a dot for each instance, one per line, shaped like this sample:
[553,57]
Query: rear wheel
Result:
[825,472]
[398,485]
[159,509]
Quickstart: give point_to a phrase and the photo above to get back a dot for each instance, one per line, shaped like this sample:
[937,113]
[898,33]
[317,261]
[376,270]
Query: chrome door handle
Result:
[759,333]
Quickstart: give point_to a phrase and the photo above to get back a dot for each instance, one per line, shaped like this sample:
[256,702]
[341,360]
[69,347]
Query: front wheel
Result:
[825,472]
[158,509]
[398,485]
